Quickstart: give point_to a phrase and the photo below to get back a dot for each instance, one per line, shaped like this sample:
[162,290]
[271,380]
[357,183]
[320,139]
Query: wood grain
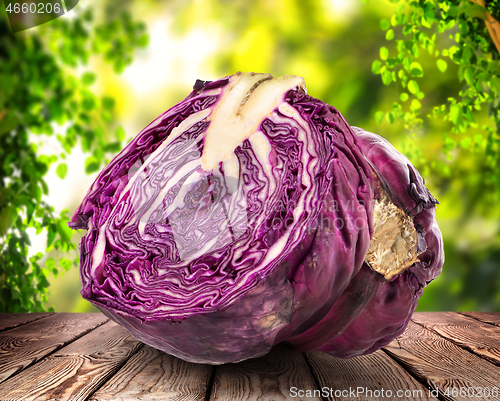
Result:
[487,317]
[442,365]
[10,320]
[26,344]
[480,338]
[75,371]
[270,377]
[368,377]
[153,375]
[81,357]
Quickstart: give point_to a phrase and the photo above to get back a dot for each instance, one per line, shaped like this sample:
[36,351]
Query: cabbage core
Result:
[393,247]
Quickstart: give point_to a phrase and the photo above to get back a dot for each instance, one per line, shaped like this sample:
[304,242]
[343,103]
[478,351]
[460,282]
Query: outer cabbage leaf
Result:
[387,313]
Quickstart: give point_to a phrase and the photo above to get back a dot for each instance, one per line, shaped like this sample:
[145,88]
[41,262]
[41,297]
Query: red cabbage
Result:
[250,214]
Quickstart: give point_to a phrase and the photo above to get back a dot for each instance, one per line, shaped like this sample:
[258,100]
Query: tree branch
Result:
[492,24]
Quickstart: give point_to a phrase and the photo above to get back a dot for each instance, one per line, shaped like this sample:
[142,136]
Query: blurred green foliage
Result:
[41,95]
[350,58]
[425,36]
[431,27]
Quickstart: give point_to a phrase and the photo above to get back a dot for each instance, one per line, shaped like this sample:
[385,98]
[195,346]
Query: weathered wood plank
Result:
[480,338]
[153,375]
[11,320]
[441,365]
[368,377]
[75,371]
[487,317]
[271,377]
[26,344]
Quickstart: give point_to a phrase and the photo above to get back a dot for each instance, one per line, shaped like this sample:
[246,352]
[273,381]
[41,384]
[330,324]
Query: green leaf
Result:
[403,97]
[61,170]
[384,53]
[108,102]
[495,85]
[456,114]
[89,102]
[461,72]
[50,264]
[414,51]
[88,78]
[5,194]
[415,105]
[413,87]
[376,65]
[51,234]
[65,264]
[42,283]
[113,147]
[64,231]
[442,65]
[429,11]
[30,210]
[386,77]
[7,217]
[91,164]
[385,24]
[467,54]
[473,10]
[379,116]
[8,123]
[416,69]
[468,115]
[389,35]
[407,29]
[393,62]
[142,40]
[391,117]
[426,23]
[37,193]
[468,75]
[453,11]
[120,133]
[407,63]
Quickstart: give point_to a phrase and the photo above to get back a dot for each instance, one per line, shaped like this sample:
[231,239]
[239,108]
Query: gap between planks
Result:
[486,317]
[21,348]
[367,377]
[473,335]
[9,321]
[440,364]
[77,370]
[153,375]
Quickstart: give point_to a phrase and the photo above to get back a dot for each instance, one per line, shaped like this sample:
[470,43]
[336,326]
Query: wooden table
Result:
[66,356]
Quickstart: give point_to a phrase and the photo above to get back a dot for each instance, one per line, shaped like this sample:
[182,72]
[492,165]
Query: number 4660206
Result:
[34,8]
